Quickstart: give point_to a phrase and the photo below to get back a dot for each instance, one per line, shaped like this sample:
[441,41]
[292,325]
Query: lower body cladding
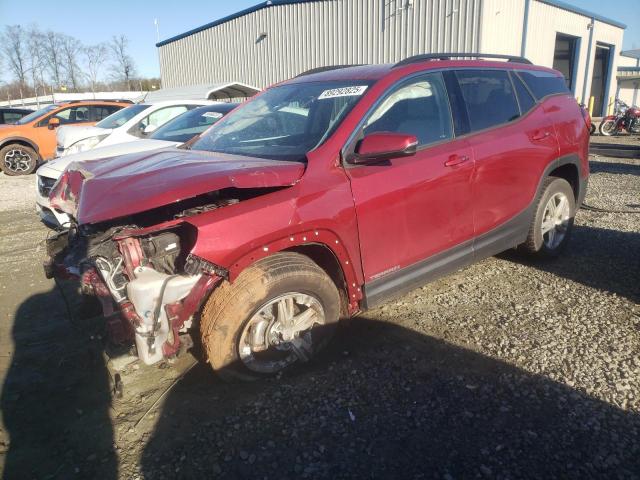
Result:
[146,295]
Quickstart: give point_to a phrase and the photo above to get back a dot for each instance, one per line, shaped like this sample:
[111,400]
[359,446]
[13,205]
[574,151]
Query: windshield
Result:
[192,123]
[121,117]
[37,114]
[285,122]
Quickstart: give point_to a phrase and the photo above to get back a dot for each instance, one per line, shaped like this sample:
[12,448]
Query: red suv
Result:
[323,196]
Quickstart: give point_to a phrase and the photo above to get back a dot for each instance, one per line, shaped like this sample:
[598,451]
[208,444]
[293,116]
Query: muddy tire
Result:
[17,159]
[552,223]
[279,311]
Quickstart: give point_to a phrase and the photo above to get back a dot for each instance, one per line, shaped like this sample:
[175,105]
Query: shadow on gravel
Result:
[386,402]
[600,258]
[614,168]
[55,399]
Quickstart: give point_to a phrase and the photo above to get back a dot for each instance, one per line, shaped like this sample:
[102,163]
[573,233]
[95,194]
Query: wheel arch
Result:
[568,172]
[20,141]
[324,248]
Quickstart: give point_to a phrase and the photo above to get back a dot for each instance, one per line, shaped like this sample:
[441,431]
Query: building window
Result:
[564,57]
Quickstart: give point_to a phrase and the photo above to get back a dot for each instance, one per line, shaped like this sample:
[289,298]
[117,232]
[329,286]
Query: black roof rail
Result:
[326,69]
[123,100]
[448,56]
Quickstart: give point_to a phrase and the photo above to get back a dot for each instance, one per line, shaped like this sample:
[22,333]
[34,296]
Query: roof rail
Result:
[448,56]
[325,69]
[82,100]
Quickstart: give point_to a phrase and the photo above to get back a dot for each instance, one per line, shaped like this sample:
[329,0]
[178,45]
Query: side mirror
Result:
[149,129]
[53,123]
[381,146]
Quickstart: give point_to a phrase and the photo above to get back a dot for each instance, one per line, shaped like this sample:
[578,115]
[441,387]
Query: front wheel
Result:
[280,311]
[608,127]
[17,159]
[552,223]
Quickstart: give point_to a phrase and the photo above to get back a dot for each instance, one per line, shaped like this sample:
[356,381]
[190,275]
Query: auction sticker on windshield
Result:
[343,92]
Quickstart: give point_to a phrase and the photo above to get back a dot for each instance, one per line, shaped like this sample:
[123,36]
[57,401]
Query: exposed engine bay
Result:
[140,269]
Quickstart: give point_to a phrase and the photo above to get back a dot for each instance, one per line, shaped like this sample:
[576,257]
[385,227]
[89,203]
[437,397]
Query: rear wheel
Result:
[552,224]
[17,159]
[608,128]
[278,312]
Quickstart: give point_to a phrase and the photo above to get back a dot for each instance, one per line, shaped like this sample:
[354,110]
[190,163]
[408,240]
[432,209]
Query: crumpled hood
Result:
[68,135]
[143,145]
[97,191]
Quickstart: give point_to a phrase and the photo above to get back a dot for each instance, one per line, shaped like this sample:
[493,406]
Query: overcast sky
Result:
[95,21]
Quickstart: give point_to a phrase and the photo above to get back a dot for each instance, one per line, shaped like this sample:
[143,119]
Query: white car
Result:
[131,123]
[173,133]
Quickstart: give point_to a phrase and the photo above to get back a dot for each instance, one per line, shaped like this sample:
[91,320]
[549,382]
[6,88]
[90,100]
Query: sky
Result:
[97,21]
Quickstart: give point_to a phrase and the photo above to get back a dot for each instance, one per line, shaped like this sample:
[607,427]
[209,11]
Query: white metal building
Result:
[278,39]
[629,77]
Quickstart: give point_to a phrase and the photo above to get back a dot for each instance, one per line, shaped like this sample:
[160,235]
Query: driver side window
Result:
[419,107]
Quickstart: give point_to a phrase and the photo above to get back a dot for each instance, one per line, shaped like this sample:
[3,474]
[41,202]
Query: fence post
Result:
[591,102]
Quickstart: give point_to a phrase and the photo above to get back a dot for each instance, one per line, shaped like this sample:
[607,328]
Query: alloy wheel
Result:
[555,220]
[17,160]
[279,333]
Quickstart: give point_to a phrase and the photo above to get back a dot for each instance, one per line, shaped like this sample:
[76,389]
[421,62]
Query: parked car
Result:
[173,133]
[275,224]
[32,139]
[12,115]
[137,121]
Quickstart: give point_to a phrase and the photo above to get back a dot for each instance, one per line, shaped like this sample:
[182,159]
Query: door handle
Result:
[540,135]
[456,160]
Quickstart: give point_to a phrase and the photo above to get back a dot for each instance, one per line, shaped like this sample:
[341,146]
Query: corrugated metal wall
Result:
[325,32]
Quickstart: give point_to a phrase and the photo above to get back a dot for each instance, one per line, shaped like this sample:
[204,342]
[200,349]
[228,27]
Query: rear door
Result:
[415,207]
[512,141]
[46,139]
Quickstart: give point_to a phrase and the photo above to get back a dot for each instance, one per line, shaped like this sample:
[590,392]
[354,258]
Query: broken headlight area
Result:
[146,281]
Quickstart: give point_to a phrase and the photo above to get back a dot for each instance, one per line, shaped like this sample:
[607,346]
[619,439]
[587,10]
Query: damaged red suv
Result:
[323,196]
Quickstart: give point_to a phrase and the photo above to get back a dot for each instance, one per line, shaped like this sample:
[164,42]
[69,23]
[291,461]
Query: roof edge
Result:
[233,16]
[572,8]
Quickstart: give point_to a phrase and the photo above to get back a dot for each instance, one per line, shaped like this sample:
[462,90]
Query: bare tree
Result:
[94,57]
[71,49]
[37,58]
[14,47]
[52,45]
[123,66]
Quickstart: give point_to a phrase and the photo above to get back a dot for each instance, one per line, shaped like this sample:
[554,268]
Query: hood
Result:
[94,192]
[67,136]
[99,153]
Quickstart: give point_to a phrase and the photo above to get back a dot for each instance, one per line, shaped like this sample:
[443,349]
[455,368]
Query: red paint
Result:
[374,218]
[131,253]
[131,184]
[384,145]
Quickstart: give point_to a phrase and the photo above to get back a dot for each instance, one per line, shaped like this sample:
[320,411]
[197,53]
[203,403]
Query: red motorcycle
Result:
[626,118]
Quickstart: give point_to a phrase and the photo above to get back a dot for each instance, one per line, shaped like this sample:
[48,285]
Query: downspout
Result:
[525,28]
[591,26]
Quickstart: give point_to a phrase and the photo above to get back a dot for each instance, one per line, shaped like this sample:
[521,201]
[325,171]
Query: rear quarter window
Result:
[542,84]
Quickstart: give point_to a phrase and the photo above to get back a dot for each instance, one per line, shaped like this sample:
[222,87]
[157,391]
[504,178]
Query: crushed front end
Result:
[148,284]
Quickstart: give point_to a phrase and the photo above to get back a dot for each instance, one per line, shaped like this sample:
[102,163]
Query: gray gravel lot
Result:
[506,369]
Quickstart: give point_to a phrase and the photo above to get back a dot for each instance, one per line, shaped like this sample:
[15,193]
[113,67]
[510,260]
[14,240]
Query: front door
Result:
[410,209]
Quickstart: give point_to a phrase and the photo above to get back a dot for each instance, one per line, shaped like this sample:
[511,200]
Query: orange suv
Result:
[32,139]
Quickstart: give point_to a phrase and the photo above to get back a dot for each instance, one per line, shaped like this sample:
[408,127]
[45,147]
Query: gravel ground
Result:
[506,369]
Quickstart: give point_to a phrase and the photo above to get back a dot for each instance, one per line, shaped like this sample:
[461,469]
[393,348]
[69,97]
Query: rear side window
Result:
[489,97]
[526,101]
[542,84]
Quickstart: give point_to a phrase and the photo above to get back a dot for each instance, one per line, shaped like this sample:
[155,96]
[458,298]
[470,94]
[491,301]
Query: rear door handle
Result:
[540,135]
[456,160]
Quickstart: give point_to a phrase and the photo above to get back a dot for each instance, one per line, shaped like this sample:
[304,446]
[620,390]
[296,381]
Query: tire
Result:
[608,128]
[18,159]
[549,245]
[234,316]
[592,130]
